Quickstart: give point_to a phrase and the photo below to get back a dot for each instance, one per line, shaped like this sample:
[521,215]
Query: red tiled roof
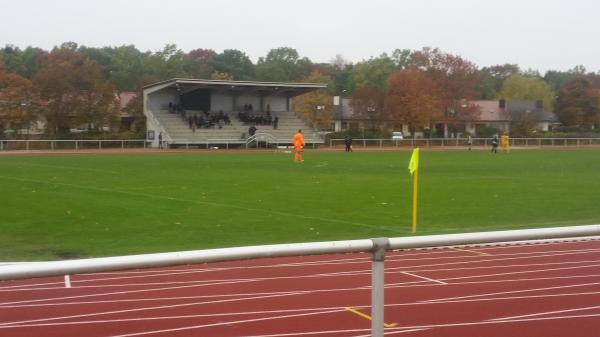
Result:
[125,97]
[491,111]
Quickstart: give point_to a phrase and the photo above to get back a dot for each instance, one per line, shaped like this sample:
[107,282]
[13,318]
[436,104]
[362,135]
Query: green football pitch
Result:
[81,205]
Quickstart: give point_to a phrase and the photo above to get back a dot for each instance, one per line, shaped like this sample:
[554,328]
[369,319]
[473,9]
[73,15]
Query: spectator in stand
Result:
[190,122]
[252,130]
[275,122]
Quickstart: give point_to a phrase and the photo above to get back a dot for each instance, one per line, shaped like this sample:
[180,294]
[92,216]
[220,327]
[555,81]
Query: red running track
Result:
[544,289]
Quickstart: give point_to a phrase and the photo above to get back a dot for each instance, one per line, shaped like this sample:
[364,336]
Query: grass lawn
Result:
[67,206]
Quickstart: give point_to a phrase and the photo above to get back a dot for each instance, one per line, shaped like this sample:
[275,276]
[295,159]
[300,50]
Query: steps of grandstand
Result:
[178,130]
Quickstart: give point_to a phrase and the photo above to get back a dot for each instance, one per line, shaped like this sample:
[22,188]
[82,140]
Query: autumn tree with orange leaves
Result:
[19,103]
[413,99]
[75,92]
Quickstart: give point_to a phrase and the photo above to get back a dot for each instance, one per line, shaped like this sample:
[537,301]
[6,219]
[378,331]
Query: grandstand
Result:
[214,112]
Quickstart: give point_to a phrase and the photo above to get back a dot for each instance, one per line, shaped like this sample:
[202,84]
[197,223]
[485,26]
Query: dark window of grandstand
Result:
[198,99]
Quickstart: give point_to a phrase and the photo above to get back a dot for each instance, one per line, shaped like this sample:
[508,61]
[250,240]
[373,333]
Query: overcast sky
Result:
[543,35]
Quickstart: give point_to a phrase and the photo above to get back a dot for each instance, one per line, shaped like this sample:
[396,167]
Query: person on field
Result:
[495,144]
[348,142]
[160,140]
[469,142]
[298,142]
[504,143]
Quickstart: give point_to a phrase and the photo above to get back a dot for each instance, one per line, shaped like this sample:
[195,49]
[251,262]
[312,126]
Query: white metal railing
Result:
[64,144]
[377,247]
[461,142]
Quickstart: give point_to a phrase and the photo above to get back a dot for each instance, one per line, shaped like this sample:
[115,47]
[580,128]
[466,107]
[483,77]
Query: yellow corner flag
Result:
[413,165]
[413,168]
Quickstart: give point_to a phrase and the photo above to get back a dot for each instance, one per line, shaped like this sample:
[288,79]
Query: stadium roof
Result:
[187,85]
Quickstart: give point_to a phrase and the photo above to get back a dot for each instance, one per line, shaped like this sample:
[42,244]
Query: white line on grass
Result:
[216,204]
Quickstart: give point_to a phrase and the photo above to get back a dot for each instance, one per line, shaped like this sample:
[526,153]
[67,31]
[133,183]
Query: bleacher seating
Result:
[236,132]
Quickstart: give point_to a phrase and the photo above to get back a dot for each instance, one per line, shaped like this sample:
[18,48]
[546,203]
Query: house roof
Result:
[491,111]
[126,97]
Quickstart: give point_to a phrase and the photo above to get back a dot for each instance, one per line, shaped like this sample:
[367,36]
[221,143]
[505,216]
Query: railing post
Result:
[377,285]
[122,144]
[51,145]
[99,144]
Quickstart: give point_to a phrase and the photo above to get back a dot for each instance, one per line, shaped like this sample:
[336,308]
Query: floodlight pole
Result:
[377,285]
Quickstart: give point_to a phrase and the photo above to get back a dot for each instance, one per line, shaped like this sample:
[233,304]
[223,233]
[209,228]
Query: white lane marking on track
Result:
[135,274]
[461,324]
[390,286]
[143,309]
[387,333]
[217,282]
[510,292]
[545,313]
[229,314]
[157,318]
[223,323]
[29,287]
[67,281]
[250,280]
[113,293]
[424,278]
[199,202]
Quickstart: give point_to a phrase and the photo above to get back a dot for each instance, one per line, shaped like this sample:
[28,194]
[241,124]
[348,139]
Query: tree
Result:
[74,91]
[491,79]
[578,103]
[198,63]
[19,103]
[522,87]
[374,72]
[125,68]
[316,106]
[234,63]
[282,65]
[135,107]
[369,103]
[413,99]
[456,78]
[164,64]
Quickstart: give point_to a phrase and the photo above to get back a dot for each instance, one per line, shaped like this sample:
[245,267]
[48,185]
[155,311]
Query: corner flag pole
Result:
[413,168]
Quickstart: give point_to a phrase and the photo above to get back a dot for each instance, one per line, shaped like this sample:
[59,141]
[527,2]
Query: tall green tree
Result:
[126,68]
[281,64]
[373,73]
[234,63]
[164,64]
[523,87]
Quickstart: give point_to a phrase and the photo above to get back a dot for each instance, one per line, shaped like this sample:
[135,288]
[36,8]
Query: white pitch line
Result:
[424,278]
[200,202]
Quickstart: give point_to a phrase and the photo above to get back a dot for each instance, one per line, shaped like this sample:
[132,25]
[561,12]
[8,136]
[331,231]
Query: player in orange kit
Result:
[298,142]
